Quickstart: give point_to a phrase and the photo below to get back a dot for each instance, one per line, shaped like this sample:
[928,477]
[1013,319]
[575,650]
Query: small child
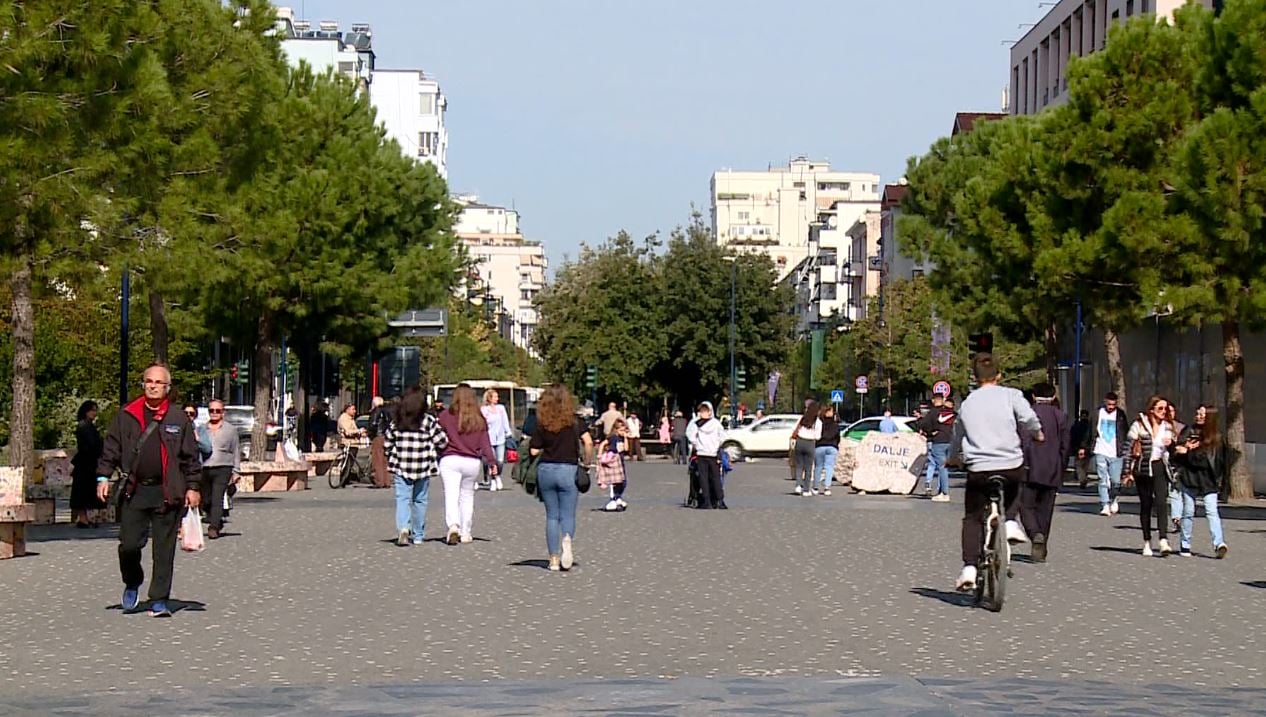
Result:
[611,473]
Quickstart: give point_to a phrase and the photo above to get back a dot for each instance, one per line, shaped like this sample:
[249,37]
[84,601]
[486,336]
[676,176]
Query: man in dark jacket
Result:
[937,425]
[1106,443]
[677,433]
[1046,463]
[164,477]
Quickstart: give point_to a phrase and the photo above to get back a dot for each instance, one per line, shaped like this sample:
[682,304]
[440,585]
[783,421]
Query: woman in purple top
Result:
[463,461]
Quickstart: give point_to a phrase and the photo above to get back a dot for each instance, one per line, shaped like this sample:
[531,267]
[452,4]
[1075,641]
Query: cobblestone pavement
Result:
[792,605]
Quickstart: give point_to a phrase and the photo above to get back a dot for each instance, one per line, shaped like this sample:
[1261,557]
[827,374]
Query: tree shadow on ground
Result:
[956,599]
[68,531]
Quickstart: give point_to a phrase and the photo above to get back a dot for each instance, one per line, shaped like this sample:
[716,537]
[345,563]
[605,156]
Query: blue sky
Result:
[591,116]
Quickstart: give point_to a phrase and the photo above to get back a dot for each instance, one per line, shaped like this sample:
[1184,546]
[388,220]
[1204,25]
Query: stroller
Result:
[694,497]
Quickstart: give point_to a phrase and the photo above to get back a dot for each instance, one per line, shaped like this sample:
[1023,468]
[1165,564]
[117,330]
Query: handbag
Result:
[582,478]
[529,471]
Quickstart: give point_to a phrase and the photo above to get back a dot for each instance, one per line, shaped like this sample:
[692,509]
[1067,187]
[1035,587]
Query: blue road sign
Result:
[837,395]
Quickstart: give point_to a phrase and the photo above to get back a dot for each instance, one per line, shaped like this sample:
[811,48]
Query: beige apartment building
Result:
[509,268]
[771,211]
[1072,28]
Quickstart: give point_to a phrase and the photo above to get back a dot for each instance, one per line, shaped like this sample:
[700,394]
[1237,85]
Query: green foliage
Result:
[659,324]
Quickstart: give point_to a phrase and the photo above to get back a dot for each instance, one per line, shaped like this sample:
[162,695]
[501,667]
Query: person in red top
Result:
[462,462]
[164,477]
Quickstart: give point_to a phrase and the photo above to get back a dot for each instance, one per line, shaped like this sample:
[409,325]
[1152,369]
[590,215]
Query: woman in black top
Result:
[1199,459]
[83,487]
[557,439]
[828,447]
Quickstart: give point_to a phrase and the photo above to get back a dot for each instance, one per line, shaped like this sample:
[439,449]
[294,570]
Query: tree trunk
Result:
[22,416]
[262,388]
[1052,353]
[304,352]
[1112,347]
[158,326]
[1238,475]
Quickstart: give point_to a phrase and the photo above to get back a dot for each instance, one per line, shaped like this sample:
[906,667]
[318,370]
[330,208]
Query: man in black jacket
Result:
[1106,442]
[937,425]
[164,477]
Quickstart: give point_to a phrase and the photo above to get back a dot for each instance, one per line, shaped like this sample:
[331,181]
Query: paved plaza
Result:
[781,605]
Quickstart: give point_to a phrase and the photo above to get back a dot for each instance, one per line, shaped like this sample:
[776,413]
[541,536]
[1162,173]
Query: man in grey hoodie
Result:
[987,440]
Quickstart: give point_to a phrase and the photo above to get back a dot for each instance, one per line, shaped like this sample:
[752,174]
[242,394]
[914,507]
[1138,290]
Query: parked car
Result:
[769,435]
[857,430]
[243,419]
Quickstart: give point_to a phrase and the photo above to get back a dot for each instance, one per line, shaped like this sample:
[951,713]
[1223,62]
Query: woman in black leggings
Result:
[1151,440]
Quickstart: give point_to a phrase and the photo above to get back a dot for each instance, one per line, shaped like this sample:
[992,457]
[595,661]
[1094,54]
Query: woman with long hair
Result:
[412,443]
[83,486]
[1199,458]
[805,443]
[462,461]
[1151,441]
[827,449]
[498,431]
[562,441]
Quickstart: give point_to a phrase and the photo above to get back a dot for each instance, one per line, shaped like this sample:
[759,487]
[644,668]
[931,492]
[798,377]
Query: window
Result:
[428,144]
[346,68]
[827,293]
[742,216]
[798,185]
[1129,8]
[827,258]
[427,106]
[525,295]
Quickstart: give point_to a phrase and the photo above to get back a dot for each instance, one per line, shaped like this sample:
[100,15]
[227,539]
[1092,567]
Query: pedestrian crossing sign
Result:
[837,395]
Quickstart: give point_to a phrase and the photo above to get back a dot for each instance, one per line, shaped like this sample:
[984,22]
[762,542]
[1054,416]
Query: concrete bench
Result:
[13,520]
[44,497]
[320,462]
[267,476]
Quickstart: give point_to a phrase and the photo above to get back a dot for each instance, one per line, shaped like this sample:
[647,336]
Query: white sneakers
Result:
[1164,547]
[568,559]
[1106,511]
[941,498]
[799,490]
[1147,549]
[1015,532]
[1115,507]
[612,506]
[500,485]
[468,539]
[1220,551]
[826,491]
[621,502]
[966,579]
[454,534]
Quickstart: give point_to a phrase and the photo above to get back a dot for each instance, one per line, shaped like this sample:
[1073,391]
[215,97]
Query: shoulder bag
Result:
[582,471]
[123,487]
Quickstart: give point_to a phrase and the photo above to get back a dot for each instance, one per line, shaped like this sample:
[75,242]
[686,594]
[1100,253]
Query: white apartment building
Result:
[1072,28]
[510,267]
[326,47]
[771,211]
[865,264]
[411,107]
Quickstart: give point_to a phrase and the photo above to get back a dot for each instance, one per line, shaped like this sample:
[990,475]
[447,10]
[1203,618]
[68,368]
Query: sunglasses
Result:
[216,411]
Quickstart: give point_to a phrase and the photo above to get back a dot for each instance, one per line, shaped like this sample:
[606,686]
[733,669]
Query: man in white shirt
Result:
[1106,441]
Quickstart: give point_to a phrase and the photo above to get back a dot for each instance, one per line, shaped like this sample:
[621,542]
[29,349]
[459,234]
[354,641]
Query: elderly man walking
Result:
[155,451]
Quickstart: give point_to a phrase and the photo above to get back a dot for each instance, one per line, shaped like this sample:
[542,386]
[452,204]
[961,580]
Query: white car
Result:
[771,434]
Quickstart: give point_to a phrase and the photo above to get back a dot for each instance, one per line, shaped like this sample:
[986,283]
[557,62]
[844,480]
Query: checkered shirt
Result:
[415,454]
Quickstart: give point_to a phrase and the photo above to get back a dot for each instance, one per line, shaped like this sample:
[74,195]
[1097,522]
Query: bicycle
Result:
[346,467]
[994,566]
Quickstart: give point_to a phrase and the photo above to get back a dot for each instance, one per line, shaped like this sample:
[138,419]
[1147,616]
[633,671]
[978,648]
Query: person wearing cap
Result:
[704,435]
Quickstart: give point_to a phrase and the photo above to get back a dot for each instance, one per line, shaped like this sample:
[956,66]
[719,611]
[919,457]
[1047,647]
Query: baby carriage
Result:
[692,471]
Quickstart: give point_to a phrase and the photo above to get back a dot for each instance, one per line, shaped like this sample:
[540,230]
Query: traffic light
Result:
[980,343]
[591,377]
[242,372]
[740,379]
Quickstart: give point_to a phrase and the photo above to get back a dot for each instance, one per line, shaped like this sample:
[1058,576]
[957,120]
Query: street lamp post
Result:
[733,374]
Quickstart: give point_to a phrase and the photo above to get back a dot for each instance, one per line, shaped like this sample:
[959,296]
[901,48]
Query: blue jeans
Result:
[824,459]
[938,453]
[411,499]
[557,484]
[1188,513]
[1109,470]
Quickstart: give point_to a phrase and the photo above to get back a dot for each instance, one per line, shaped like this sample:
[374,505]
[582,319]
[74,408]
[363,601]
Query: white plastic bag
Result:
[191,531]
[291,451]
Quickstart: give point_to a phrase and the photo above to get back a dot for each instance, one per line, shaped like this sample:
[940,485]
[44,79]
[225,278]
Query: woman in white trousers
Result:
[462,462]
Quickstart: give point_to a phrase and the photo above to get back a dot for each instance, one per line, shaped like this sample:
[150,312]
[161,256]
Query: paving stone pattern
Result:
[790,605]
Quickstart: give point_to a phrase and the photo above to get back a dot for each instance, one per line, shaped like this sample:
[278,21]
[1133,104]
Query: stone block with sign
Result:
[889,462]
[12,487]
